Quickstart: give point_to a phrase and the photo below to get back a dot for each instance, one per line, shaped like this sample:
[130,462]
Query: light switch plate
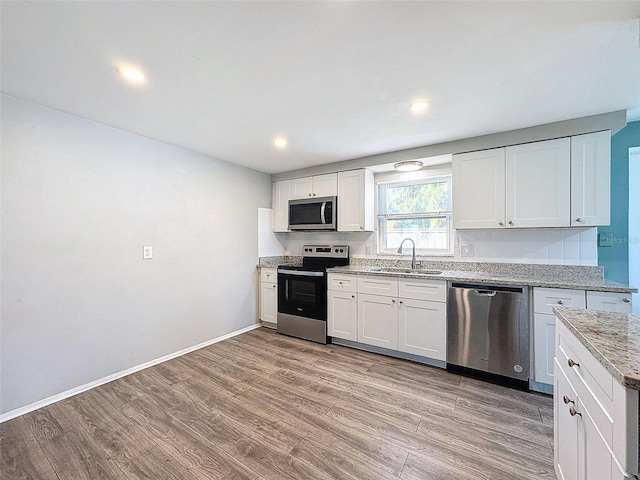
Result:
[605,239]
[147,252]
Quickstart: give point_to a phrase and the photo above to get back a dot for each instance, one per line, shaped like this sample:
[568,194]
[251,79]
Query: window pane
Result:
[417,198]
[428,233]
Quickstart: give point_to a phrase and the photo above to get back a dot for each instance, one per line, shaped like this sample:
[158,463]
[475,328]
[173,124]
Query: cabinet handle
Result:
[361,227]
[567,400]
[309,194]
[560,302]
[393,300]
[273,286]
[573,412]
[353,296]
[314,194]
[501,224]
[401,302]
[579,220]
[510,222]
[572,363]
[626,300]
[339,283]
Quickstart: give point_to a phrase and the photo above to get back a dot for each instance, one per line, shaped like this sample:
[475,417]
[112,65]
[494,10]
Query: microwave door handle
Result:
[324,204]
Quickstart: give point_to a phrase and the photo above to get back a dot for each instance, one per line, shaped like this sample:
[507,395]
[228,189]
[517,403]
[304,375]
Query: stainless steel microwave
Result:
[313,213]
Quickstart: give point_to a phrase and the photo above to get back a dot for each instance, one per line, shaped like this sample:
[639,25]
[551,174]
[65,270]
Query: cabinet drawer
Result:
[423,289]
[342,283]
[544,299]
[268,275]
[591,381]
[385,286]
[609,301]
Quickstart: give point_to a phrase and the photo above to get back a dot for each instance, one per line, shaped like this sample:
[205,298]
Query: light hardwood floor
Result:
[264,406]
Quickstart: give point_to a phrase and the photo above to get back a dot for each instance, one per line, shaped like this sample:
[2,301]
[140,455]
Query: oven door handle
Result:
[302,274]
[322,219]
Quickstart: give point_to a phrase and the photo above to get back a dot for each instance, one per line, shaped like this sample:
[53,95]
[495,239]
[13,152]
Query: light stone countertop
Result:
[612,338]
[576,283]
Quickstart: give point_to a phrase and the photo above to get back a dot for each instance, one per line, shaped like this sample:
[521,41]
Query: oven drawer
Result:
[342,283]
[387,287]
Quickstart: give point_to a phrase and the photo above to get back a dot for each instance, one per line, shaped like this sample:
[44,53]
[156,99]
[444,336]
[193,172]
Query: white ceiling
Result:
[336,78]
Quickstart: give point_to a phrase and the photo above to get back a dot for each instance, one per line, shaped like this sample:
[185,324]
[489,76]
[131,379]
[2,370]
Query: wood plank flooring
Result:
[264,406]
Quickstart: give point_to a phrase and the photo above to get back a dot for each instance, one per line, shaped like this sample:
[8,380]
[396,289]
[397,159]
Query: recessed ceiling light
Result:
[132,74]
[408,166]
[280,142]
[419,106]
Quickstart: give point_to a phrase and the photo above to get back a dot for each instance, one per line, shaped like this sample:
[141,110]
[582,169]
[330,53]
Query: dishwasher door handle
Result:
[485,293]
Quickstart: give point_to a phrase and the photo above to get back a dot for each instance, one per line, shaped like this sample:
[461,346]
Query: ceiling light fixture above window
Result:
[408,166]
[280,142]
[419,106]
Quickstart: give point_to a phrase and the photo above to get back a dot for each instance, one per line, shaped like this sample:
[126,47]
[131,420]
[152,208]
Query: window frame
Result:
[400,180]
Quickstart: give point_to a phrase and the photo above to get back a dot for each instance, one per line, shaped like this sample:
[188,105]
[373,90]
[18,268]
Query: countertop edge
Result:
[475,277]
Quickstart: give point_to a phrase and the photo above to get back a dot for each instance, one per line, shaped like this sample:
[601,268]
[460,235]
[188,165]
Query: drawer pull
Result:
[573,412]
[567,400]
[353,296]
[572,363]
[560,302]
[626,300]
[339,283]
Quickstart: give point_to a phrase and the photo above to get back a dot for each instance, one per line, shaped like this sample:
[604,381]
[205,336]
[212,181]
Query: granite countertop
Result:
[612,338]
[575,283]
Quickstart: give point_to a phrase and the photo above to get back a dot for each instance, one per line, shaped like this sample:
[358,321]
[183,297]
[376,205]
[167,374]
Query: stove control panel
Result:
[332,251]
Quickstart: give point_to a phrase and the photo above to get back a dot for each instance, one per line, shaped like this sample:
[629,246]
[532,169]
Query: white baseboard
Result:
[88,386]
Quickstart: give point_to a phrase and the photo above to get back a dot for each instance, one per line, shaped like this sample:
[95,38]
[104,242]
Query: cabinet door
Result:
[590,179]
[325,185]
[355,201]
[609,301]
[479,189]
[423,328]
[565,427]
[302,187]
[280,205]
[342,315]
[269,302]
[538,182]
[597,463]
[378,321]
[544,332]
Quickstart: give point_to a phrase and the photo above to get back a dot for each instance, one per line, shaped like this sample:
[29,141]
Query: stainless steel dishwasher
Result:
[488,330]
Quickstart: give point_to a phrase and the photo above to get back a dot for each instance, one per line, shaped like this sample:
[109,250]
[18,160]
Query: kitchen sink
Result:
[417,271]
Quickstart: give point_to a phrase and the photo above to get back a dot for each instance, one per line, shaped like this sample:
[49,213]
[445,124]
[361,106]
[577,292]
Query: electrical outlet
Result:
[466,250]
[147,252]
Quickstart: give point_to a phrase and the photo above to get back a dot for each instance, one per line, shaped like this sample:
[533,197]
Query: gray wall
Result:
[79,200]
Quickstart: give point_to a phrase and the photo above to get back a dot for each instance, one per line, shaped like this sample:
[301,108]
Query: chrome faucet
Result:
[413,255]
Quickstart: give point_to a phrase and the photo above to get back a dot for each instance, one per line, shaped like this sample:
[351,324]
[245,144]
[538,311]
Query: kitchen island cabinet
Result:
[596,409]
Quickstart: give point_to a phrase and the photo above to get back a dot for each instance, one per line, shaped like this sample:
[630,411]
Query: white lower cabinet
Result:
[342,315]
[408,315]
[378,321]
[595,417]
[268,295]
[609,301]
[544,327]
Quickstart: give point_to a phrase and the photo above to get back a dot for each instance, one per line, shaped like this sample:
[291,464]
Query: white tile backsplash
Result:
[549,246]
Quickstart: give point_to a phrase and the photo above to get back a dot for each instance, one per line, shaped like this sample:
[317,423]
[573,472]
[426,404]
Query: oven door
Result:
[302,293]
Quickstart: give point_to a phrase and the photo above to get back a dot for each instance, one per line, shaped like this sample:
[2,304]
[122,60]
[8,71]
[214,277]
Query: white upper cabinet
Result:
[356,201]
[555,183]
[590,179]
[538,182]
[318,186]
[478,189]
[281,192]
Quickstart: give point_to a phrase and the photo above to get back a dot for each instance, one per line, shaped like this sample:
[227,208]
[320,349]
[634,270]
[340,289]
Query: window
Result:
[419,209]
